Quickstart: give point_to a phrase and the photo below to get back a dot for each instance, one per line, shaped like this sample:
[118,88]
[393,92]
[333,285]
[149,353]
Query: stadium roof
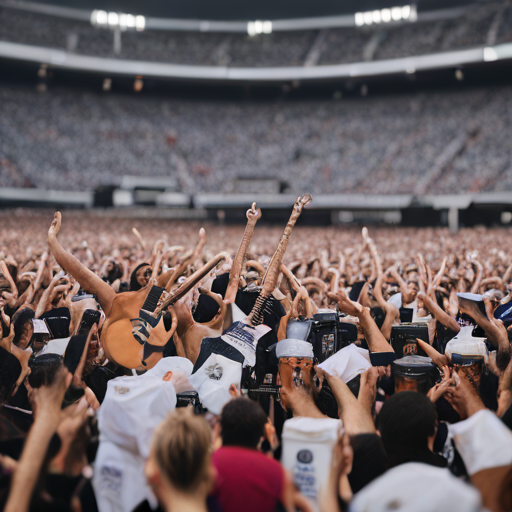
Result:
[237,10]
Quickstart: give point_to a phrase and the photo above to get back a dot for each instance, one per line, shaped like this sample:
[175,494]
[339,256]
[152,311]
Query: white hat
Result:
[171,364]
[466,345]
[213,379]
[483,441]
[290,347]
[347,363]
[418,487]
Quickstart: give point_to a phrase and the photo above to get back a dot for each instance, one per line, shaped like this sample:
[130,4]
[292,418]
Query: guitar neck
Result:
[190,282]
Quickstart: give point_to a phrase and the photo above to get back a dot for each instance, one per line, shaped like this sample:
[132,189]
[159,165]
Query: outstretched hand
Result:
[253,213]
[448,381]
[55,226]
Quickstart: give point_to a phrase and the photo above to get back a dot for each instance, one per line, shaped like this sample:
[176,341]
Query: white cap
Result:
[347,363]
[290,347]
[418,487]
[213,379]
[483,441]
[466,345]
[171,364]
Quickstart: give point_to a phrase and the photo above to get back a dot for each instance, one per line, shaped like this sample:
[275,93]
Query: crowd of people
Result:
[451,141]
[156,365]
[334,45]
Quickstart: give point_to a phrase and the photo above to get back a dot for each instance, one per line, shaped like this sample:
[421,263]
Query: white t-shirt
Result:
[347,363]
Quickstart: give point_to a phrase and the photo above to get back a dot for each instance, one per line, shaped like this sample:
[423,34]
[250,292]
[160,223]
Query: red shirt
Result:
[247,480]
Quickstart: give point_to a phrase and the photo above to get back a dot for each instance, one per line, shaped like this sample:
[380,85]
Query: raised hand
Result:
[345,304]
[55,225]
[448,381]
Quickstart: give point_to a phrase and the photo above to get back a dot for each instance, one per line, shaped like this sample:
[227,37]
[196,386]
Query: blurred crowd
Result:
[428,142]
[157,365]
[481,24]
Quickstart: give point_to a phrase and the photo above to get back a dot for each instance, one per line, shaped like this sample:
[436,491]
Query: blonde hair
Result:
[182,449]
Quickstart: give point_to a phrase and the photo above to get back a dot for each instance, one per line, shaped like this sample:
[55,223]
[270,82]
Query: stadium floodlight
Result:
[122,21]
[140,23]
[406,12]
[368,18]
[116,20]
[490,54]
[113,19]
[259,27]
[396,13]
[101,17]
[385,15]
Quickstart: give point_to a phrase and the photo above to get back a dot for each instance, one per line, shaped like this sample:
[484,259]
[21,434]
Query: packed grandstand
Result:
[441,140]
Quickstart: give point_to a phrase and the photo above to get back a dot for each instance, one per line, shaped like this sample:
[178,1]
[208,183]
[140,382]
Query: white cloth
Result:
[483,441]
[290,347]
[244,338]
[213,379]
[171,364]
[347,363]
[132,408]
[307,452]
[118,481]
[416,487]
[396,300]
[57,346]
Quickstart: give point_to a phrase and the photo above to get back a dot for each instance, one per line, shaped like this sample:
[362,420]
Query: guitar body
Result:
[117,338]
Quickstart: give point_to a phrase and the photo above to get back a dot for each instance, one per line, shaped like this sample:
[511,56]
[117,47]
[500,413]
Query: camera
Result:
[403,339]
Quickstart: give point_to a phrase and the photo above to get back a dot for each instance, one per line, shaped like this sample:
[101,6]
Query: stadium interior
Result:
[394,114]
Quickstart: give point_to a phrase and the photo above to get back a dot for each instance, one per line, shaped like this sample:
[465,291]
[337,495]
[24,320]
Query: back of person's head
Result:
[10,369]
[242,423]
[181,450]
[407,419]
[44,370]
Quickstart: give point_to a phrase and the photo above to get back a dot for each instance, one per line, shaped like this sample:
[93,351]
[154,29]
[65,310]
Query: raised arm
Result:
[48,400]
[88,280]
[374,338]
[373,251]
[440,315]
[236,268]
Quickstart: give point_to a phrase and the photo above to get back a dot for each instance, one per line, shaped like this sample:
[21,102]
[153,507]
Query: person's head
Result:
[23,327]
[140,276]
[242,423]
[180,458]
[407,419]
[44,370]
[113,271]
[10,370]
